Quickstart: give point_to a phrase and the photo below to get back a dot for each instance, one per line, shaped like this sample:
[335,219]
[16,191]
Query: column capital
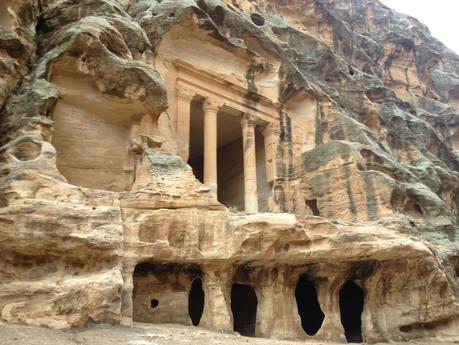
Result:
[211,104]
[269,129]
[248,120]
[185,93]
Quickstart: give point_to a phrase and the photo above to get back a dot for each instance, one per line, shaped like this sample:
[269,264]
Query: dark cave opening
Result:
[244,308]
[351,299]
[312,204]
[257,19]
[196,301]
[308,305]
[154,303]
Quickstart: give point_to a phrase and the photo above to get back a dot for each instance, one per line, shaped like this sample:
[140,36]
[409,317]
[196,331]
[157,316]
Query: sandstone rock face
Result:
[284,169]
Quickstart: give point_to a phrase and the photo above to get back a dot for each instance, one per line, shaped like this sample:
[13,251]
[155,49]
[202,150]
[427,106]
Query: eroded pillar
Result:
[250,164]
[217,313]
[328,295]
[127,308]
[210,144]
[184,98]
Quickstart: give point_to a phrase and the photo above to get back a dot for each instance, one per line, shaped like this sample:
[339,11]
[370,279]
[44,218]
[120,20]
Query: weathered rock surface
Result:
[355,116]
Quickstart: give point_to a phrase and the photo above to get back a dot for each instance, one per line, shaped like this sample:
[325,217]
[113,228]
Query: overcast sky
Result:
[441,16]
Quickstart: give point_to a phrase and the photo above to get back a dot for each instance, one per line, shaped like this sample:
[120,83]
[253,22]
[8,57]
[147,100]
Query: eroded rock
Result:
[284,169]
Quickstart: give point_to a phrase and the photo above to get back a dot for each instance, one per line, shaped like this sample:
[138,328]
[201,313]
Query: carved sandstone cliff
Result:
[284,169]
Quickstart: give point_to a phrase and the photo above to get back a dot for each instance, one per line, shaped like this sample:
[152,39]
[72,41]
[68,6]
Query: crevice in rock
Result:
[351,71]
[456,267]
[218,15]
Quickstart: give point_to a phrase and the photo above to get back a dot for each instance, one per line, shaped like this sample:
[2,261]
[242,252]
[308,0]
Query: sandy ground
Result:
[138,334]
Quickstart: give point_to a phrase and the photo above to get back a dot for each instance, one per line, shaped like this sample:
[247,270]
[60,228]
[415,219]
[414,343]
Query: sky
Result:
[441,16]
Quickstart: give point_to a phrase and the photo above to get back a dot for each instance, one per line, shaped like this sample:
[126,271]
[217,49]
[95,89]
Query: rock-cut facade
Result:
[282,169]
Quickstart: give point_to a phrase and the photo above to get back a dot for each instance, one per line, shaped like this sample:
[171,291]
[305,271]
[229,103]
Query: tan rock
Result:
[283,169]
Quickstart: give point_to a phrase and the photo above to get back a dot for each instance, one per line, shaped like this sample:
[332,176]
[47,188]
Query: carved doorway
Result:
[244,304]
[308,305]
[351,300]
[196,301]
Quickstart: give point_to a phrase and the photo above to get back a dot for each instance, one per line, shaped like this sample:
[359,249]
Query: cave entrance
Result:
[308,305]
[351,300]
[244,304]
[196,301]
[167,293]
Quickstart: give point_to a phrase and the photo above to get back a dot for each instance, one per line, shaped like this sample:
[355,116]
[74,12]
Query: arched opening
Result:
[308,305]
[161,293]
[244,308]
[196,301]
[351,299]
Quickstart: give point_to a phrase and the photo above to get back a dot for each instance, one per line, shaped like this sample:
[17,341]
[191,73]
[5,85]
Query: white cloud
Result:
[441,16]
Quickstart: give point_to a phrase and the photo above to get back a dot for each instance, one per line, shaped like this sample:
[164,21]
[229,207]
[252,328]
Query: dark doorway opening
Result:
[196,144]
[244,308]
[351,299]
[230,159]
[312,204]
[308,305]
[196,301]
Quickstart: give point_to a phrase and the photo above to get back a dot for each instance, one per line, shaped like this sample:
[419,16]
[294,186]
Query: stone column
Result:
[127,308]
[250,164]
[328,295]
[184,98]
[210,144]
[271,140]
[217,310]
